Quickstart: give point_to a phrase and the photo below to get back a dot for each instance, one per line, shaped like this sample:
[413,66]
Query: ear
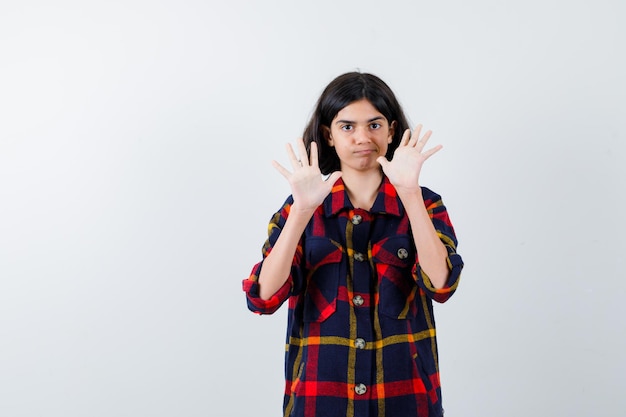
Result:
[328,136]
[392,130]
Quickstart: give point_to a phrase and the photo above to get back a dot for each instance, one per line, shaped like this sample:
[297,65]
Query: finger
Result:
[431,152]
[295,162]
[425,138]
[314,157]
[383,162]
[281,169]
[405,137]
[415,136]
[334,177]
[304,160]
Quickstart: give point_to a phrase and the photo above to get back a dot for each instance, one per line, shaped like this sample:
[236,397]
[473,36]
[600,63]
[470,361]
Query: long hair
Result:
[342,91]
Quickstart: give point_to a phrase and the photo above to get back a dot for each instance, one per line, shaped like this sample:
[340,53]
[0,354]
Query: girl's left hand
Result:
[405,166]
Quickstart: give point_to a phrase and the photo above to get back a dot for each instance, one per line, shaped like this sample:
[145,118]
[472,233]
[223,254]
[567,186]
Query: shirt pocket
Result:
[323,263]
[394,258]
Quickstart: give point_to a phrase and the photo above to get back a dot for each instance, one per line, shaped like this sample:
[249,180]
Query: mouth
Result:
[365,152]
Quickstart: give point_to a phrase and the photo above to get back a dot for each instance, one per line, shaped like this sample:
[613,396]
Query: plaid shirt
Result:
[361,337]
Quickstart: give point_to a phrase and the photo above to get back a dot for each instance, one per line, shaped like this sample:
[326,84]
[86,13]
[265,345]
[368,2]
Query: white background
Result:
[136,186]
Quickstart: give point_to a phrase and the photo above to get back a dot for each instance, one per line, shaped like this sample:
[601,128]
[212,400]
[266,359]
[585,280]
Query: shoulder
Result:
[429,194]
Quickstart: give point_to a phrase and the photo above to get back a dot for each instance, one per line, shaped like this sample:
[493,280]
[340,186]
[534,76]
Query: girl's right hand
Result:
[308,188]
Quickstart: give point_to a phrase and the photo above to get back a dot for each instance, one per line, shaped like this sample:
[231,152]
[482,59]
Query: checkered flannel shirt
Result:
[361,338]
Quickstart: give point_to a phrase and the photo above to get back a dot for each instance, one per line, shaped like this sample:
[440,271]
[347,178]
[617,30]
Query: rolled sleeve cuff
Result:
[441,295]
[260,306]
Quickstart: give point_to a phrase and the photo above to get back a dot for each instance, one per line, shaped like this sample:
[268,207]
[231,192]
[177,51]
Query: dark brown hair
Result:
[342,91]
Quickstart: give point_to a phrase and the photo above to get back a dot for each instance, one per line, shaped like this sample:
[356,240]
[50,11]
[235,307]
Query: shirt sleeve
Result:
[251,285]
[439,216]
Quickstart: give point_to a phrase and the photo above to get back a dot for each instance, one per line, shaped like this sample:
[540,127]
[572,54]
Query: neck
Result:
[362,187]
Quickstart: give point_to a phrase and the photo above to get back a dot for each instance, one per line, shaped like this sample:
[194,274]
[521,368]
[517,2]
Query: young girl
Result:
[360,255]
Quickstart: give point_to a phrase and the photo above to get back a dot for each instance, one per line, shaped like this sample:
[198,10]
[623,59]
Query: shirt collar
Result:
[387,200]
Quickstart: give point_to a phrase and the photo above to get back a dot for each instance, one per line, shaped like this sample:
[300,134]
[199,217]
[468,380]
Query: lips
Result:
[365,152]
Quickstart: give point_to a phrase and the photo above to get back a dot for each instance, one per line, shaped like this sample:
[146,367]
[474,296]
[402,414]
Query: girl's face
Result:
[360,134]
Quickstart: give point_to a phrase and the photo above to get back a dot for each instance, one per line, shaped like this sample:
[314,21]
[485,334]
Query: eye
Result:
[346,128]
[375,125]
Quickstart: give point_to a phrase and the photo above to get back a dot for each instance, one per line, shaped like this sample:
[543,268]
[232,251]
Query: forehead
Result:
[359,111]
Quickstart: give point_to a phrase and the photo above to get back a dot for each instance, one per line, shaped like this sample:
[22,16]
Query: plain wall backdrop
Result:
[136,186]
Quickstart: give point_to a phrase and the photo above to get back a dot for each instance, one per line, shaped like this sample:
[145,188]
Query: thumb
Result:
[383,162]
[334,177]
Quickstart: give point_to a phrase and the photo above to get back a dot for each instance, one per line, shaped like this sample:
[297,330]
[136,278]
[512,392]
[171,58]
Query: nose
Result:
[361,135]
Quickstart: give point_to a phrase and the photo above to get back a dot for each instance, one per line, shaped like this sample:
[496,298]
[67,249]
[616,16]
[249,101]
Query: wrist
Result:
[409,193]
[301,212]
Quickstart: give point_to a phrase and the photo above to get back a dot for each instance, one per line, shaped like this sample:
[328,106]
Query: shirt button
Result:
[357,300]
[359,257]
[403,253]
[359,343]
[360,389]
[356,219]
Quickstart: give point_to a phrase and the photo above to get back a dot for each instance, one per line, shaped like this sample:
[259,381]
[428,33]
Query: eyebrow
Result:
[369,121]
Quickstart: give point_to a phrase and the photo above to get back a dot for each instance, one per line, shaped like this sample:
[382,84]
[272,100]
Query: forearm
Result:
[277,265]
[431,251]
